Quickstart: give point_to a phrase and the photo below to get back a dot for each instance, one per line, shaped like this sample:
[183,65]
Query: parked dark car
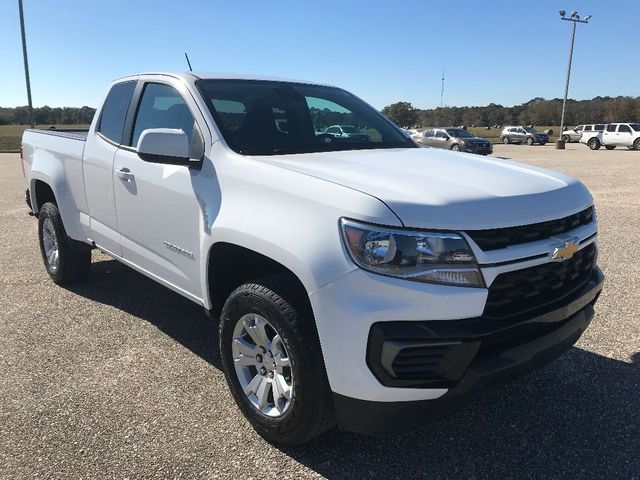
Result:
[456,139]
[347,132]
[520,134]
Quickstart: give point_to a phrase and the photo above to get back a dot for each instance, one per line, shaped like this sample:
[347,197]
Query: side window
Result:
[599,128]
[161,106]
[428,133]
[440,134]
[588,128]
[624,129]
[579,128]
[114,111]
[611,128]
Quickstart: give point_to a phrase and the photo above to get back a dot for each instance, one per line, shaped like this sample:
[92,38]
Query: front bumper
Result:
[490,352]
[478,150]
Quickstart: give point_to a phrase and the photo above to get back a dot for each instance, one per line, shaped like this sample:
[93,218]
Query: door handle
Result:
[125,174]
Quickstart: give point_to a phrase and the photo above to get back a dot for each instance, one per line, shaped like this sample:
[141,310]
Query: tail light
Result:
[22,161]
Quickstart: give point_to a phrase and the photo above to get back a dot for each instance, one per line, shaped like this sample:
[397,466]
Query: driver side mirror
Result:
[169,145]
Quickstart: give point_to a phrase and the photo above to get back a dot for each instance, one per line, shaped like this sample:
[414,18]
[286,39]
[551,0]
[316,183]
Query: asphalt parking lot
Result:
[119,377]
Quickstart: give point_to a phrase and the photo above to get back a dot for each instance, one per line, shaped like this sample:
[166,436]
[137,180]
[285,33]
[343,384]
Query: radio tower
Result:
[442,91]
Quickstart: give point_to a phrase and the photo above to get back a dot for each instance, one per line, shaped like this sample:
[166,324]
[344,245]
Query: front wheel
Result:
[273,362]
[594,144]
[566,139]
[65,259]
[530,141]
[610,147]
[636,144]
[505,140]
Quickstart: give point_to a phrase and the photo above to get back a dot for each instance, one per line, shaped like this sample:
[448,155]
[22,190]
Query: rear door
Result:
[426,138]
[159,214]
[101,147]
[609,134]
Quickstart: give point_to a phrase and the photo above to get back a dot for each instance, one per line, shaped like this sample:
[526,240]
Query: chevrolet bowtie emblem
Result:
[566,251]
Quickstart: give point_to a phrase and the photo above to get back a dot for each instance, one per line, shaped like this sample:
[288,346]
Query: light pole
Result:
[575,18]
[26,63]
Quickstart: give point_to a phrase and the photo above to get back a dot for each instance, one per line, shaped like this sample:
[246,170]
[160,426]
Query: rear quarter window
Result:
[114,111]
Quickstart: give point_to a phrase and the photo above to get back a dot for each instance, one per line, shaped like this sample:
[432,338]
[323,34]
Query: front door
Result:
[159,215]
[624,135]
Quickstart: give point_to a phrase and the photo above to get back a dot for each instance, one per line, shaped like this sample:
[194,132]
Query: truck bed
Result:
[72,133]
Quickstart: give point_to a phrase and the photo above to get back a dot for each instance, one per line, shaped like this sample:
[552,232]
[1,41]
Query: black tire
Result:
[530,141]
[610,147]
[278,299]
[74,258]
[594,144]
[566,139]
[636,144]
[506,140]
[455,147]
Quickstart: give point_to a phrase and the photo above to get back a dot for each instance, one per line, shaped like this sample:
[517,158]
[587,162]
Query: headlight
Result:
[431,257]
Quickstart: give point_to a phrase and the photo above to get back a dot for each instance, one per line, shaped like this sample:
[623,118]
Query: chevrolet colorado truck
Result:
[371,285]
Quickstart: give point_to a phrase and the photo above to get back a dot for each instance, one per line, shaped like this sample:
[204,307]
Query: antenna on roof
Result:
[442,90]
[188,62]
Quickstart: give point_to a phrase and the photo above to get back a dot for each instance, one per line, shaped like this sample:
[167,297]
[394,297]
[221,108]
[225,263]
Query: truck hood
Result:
[438,189]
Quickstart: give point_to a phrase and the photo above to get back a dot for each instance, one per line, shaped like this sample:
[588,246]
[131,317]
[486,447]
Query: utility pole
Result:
[442,91]
[575,18]
[26,63]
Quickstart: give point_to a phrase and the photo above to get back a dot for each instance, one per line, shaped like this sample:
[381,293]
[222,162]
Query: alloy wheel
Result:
[50,244]
[262,365]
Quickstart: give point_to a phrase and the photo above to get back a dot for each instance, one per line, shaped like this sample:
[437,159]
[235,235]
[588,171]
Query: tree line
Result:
[47,115]
[537,111]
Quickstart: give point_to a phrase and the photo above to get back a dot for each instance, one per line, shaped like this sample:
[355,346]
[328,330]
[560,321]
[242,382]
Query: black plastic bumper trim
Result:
[367,417]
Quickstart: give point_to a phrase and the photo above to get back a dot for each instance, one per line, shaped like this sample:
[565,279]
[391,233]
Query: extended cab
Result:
[614,135]
[372,283]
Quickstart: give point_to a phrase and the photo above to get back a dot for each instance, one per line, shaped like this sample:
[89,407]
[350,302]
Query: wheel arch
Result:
[41,192]
[230,265]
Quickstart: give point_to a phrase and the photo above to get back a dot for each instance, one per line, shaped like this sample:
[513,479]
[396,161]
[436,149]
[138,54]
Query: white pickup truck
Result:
[613,135]
[361,282]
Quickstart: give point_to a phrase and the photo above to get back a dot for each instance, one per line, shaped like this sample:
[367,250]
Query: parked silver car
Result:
[520,134]
[456,139]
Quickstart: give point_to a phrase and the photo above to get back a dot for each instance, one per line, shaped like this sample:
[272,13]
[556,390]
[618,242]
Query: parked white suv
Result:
[372,283]
[614,135]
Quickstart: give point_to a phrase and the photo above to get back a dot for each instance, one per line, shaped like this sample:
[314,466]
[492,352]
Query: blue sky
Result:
[498,51]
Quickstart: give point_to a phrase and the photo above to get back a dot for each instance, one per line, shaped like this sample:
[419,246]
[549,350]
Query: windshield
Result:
[259,117]
[458,133]
[635,126]
[530,130]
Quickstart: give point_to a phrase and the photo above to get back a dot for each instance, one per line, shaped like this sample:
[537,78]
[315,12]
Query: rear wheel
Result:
[594,144]
[610,147]
[455,147]
[65,259]
[636,144]
[530,141]
[273,363]
[566,139]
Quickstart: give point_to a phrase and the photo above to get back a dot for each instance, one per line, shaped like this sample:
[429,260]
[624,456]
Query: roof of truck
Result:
[222,76]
